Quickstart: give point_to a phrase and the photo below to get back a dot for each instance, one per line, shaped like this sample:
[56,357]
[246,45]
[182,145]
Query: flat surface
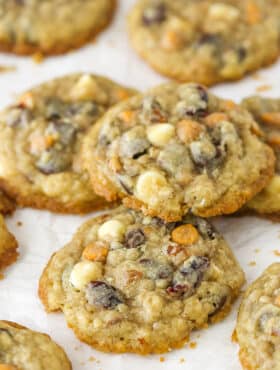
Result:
[253,240]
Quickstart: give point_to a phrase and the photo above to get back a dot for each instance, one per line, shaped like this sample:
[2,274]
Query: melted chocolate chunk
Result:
[103,295]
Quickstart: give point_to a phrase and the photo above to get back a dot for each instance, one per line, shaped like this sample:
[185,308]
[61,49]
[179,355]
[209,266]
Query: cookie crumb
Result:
[263,88]
[161,359]
[182,360]
[257,250]
[256,76]
[252,263]
[19,223]
[234,337]
[4,69]
[92,359]
[38,58]
[276,252]
[193,345]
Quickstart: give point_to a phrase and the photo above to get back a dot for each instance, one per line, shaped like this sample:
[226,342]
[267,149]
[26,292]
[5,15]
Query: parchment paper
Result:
[253,240]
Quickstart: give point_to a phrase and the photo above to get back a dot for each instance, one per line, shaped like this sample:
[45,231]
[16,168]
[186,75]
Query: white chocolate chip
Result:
[111,230]
[159,134]
[221,11]
[87,88]
[84,272]
[152,304]
[152,186]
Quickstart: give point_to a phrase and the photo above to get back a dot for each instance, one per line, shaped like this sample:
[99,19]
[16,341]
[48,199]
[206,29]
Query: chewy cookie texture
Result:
[178,148]
[131,283]
[51,27]
[8,246]
[40,164]
[258,323]
[25,349]
[206,41]
[266,111]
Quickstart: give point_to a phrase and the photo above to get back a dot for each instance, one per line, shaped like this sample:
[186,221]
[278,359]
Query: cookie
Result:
[206,41]
[8,246]
[131,283]
[6,204]
[258,323]
[25,349]
[31,26]
[40,162]
[266,111]
[175,149]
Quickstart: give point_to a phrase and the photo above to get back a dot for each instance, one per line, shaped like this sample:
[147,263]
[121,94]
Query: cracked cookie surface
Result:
[178,148]
[258,323]
[51,27]
[40,162]
[266,112]
[131,283]
[205,41]
[8,246]
[25,349]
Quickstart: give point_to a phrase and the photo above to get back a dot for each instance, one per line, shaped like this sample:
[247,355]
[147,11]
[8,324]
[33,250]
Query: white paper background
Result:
[42,233]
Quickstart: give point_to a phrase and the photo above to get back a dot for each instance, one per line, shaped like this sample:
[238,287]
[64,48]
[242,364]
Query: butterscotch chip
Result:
[215,118]
[19,345]
[258,323]
[96,252]
[271,118]
[141,283]
[39,28]
[188,130]
[205,41]
[40,163]
[171,40]
[185,234]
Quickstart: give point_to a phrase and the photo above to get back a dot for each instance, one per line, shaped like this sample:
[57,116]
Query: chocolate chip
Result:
[155,270]
[54,108]
[189,276]
[65,130]
[203,93]
[134,147]
[152,111]
[18,117]
[195,265]
[202,152]
[88,108]
[218,303]
[209,38]
[134,238]
[206,229]
[103,140]
[103,295]
[242,53]
[125,187]
[53,161]
[154,15]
